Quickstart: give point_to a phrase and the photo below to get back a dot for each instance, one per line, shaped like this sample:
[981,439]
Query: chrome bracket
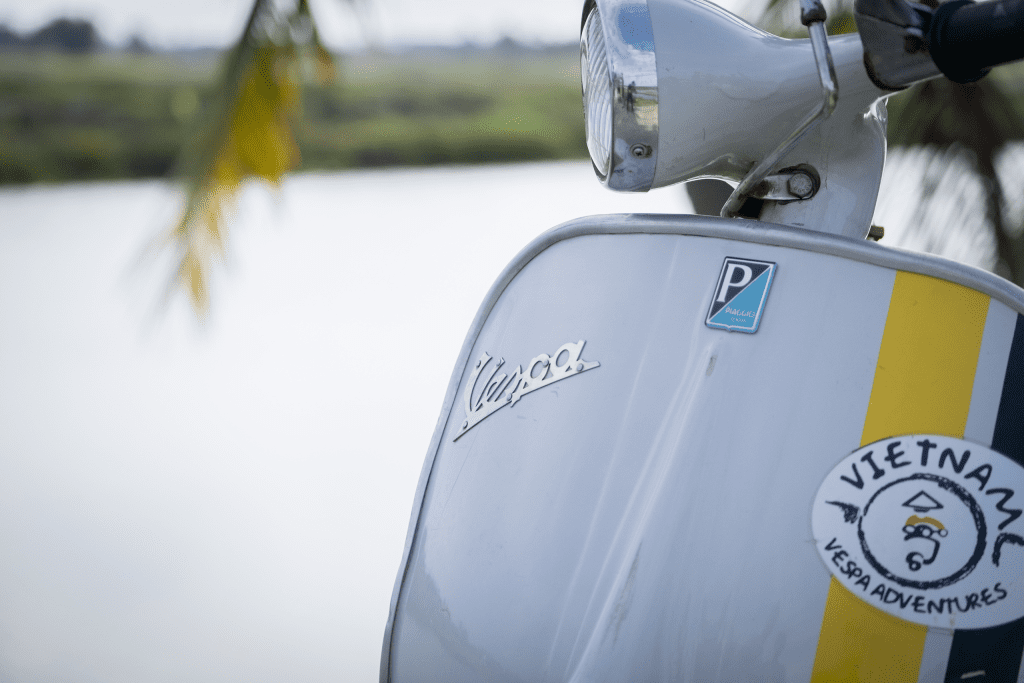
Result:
[787,186]
[812,15]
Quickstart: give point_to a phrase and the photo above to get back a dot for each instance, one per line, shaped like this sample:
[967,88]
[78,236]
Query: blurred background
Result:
[113,90]
[240,245]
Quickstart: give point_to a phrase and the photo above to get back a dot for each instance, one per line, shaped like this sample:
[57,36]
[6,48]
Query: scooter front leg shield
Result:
[625,484]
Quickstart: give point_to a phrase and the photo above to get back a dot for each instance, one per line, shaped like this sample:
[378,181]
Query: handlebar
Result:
[905,42]
[966,39]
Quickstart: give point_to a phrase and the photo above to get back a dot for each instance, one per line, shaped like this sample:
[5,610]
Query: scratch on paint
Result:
[973,674]
[625,598]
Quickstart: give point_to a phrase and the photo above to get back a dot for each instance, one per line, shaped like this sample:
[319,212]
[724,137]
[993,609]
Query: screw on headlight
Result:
[640,151]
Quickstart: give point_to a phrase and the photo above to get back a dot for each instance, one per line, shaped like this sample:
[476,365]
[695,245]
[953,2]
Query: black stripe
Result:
[997,650]
[1008,438]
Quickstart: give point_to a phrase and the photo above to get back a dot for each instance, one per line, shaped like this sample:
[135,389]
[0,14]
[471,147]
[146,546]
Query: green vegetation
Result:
[119,115]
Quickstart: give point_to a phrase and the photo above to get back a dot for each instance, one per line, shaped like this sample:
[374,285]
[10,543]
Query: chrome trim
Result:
[633,76]
[741,230]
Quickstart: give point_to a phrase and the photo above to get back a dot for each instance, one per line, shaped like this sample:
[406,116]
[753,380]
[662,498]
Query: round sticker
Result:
[927,528]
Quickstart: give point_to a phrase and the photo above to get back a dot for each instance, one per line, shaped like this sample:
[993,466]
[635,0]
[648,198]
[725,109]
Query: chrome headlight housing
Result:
[620,92]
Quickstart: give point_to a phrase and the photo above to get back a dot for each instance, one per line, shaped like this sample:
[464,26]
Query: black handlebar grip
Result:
[966,38]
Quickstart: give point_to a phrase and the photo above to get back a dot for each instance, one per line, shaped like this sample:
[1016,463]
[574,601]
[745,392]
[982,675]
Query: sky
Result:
[391,22]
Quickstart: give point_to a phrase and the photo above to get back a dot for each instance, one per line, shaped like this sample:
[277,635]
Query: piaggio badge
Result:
[739,297]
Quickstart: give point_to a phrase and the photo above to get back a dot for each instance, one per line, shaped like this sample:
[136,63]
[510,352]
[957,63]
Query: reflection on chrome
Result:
[618,64]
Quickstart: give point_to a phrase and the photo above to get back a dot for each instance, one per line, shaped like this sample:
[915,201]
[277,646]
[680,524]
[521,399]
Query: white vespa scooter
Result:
[680,448]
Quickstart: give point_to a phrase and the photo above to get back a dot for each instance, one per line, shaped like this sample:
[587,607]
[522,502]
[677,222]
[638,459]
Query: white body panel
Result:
[650,519]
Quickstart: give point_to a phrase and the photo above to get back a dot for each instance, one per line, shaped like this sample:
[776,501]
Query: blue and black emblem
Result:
[740,295]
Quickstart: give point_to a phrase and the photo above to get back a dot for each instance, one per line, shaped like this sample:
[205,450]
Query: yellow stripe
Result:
[926,363]
[922,384]
[861,643]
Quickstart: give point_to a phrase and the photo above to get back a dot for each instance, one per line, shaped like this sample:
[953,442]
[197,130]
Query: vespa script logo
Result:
[927,528]
[503,390]
[740,295]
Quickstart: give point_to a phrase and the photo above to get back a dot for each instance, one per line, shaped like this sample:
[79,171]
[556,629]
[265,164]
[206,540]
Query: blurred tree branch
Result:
[980,119]
[245,133]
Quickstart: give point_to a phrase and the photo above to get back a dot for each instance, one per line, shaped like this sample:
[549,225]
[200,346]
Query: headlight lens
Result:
[597,93]
[620,92]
